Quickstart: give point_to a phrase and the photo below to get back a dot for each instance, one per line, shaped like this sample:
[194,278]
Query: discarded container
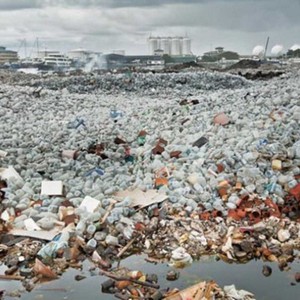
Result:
[221,119]
[267,271]
[111,240]
[180,258]
[91,229]
[115,114]
[77,123]
[172,275]
[95,171]
[52,249]
[276,164]
[91,244]
[200,142]
[70,154]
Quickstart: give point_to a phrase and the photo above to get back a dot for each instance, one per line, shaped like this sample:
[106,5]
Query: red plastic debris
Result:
[142,133]
[295,191]
[119,141]
[221,119]
[274,210]
[232,213]
[205,216]
[175,154]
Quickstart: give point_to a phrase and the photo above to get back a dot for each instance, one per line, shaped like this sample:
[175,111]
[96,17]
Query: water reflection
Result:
[245,276]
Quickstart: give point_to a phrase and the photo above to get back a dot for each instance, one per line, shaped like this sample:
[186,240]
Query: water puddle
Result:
[245,276]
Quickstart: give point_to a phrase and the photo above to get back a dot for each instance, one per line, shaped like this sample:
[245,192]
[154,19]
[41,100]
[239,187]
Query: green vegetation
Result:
[228,55]
[293,53]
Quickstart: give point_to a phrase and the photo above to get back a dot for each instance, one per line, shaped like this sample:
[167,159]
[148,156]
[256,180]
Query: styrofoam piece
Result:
[89,204]
[52,188]
[5,216]
[10,173]
[31,225]
[3,153]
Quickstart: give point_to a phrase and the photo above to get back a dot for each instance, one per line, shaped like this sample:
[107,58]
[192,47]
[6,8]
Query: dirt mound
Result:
[246,64]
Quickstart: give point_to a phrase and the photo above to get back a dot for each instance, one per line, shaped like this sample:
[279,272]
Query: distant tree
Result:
[293,53]
[209,58]
[167,58]
[228,55]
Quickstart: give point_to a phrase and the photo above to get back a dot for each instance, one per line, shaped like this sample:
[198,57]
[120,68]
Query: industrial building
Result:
[219,54]
[44,53]
[8,56]
[82,54]
[115,61]
[174,46]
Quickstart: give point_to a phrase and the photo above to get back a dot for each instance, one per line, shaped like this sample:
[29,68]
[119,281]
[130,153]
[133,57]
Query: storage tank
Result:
[295,47]
[258,51]
[277,50]
[176,46]
[165,45]
[186,46]
[153,44]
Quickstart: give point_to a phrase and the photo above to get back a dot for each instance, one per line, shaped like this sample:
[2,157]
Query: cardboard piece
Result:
[40,234]
[89,204]
[199,291]
[40,269]
[52,188]
[142,199]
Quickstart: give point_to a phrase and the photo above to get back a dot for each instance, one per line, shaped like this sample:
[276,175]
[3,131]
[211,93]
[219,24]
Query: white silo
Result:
[258,51]
[153,43]
[186,46]
[277,50]
[295,47]
[165,45]
[176,46]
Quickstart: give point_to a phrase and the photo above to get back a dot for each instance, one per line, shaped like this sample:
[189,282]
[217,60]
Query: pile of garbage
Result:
[145,83]
[104,176]
[125,284]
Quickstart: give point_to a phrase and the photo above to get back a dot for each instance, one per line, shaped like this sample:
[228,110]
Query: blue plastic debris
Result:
[95,171]
[76,123]
[116,114]
[51,249]
[262,143]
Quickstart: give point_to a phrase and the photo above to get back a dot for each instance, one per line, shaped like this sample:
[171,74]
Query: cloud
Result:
[125,24]
[27,4]
[18,4]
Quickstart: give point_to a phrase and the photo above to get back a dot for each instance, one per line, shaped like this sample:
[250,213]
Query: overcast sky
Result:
[106,25]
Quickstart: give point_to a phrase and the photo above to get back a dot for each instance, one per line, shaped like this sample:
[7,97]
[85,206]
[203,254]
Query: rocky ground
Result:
[213,160]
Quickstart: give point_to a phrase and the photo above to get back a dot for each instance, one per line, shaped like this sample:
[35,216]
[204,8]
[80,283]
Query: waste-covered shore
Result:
[175,165]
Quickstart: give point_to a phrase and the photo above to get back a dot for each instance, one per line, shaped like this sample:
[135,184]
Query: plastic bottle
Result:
[80,228]
[91,229]
[92,244]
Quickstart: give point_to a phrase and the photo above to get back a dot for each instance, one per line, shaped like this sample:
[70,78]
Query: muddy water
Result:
[245,276]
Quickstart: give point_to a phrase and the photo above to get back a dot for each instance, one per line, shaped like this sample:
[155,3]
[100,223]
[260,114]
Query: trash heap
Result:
[126,284]
[205,163]
[133,82]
